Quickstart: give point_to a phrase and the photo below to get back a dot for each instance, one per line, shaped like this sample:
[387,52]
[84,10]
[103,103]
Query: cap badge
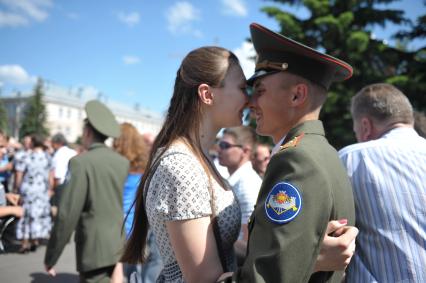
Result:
[265,64]
[283,203]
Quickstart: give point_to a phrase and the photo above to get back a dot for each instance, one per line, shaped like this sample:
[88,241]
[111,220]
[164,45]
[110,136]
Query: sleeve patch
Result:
[283,203]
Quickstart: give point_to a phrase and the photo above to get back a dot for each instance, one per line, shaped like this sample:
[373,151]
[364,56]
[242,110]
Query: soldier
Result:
[305,184]
[91,201]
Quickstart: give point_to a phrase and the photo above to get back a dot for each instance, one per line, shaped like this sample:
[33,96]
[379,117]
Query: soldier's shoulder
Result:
[292,143]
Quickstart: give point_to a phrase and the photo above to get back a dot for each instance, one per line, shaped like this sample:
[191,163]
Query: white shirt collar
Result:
[277,146]
[237,175]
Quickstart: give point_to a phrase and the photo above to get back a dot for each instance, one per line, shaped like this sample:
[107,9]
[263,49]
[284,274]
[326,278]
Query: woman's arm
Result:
[195,249]
[50,183]
[18,180]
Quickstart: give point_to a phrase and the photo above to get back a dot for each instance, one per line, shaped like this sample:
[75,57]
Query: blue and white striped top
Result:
[388,176]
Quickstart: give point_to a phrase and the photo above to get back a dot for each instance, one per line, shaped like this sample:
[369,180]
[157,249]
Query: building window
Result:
[69,113]
[60,112]
[67,131]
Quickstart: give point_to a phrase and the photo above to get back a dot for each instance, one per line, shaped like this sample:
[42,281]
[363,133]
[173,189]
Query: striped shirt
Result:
[388,176]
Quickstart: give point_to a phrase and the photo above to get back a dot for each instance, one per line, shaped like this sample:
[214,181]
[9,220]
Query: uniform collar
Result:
[278,145]
[308,127]
[96,145]
[313,127]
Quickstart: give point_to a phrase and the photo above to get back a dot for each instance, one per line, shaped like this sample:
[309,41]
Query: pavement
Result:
[29,268]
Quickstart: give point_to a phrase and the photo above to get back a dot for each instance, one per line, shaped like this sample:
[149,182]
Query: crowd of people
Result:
[30,179]
[205,201]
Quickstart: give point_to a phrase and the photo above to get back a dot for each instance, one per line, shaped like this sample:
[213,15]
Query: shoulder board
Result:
[293,142]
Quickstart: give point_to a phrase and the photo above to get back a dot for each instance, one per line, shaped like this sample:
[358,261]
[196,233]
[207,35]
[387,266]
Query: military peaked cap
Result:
[277,53]
[102,119]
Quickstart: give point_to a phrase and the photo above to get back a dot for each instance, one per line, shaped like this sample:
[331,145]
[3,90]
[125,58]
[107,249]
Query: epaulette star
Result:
[293,142]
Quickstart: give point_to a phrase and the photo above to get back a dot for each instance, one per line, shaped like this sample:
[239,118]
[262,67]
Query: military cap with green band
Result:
[102,119]
[277,53]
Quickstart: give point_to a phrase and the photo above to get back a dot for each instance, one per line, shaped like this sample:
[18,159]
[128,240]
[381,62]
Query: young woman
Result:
[132,145]
[194,217]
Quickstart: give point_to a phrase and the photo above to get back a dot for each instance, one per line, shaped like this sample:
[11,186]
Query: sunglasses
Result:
[226,145]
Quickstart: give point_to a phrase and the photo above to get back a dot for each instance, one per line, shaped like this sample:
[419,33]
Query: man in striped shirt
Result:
[387,169]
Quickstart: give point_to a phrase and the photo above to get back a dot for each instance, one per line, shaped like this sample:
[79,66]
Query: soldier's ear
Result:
[205,94]
[299,94]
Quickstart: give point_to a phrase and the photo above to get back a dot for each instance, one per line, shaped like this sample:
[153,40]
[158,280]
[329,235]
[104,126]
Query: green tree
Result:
[343,29]
[3,118]
[35,114]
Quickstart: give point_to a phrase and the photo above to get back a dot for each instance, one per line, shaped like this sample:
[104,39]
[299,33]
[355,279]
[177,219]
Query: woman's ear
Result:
[205,93]
[299,94]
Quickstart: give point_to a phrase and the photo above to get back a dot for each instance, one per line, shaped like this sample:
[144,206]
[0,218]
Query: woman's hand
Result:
[13,198]
[337,247]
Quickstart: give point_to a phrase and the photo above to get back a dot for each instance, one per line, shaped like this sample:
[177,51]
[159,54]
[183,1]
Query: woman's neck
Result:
[208,133]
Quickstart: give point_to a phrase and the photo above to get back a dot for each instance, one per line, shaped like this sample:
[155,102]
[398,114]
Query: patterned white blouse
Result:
[179,190]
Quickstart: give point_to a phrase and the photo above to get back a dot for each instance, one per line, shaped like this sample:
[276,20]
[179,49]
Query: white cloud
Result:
[22,12]
[180,17]
[131,60]
[15,74]
[246,55]
[13,20]
[130,19]
[235,7]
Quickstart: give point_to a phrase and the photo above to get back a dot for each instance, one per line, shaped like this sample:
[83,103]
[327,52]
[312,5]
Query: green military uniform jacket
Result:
[287,252]
[91,204]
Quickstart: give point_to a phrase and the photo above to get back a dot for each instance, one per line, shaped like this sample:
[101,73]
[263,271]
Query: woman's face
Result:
[231,99]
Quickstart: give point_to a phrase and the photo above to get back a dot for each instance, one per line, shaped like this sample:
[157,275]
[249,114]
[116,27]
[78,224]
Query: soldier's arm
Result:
[287,252]
[70,207]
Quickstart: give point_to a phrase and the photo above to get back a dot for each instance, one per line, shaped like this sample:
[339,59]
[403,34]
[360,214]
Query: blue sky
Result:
[128,50]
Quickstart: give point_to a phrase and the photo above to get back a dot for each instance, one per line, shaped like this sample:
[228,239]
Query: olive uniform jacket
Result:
[287,251]
[91,204]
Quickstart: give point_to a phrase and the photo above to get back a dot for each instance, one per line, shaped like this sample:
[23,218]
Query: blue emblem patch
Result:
[283,203]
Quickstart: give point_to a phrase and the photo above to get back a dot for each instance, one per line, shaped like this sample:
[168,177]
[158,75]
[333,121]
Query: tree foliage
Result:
[343,30]
[35,114]
[3,118]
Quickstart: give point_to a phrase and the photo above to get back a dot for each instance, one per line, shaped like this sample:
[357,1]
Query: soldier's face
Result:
[269,103]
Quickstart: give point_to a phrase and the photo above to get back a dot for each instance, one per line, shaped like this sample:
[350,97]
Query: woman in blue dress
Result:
[34,179]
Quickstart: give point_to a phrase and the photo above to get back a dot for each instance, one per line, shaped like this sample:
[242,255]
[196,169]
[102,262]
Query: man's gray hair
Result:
[384,103]
[59,139]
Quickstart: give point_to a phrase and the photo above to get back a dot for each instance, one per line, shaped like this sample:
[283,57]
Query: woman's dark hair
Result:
[208,65]
[37,141]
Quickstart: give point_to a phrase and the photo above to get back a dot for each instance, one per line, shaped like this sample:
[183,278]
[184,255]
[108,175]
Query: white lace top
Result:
[178,191]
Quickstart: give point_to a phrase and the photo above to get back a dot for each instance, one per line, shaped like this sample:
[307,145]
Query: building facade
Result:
[65,112]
